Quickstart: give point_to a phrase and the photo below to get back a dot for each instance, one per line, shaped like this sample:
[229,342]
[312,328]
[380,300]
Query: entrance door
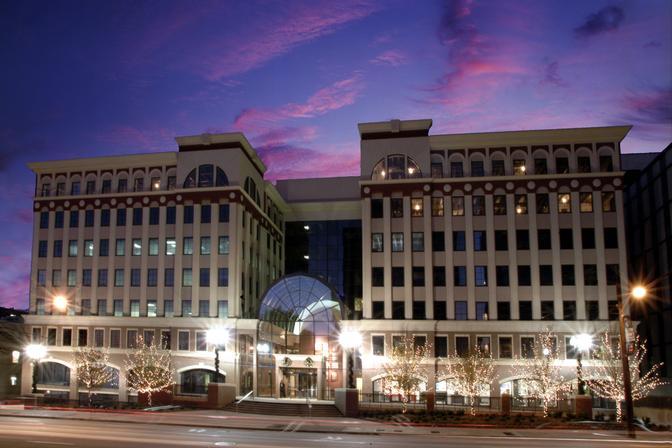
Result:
[307,382]
[299,383]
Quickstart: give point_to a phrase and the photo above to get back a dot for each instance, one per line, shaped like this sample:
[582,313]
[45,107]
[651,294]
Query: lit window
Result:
[397,242]
[478,205]
[396,166]
[416,207]
[564,203]
[437,206]
[458,206]
[519,167]
[608,201]
[521,204]
[586,202]
[156,183]
[499,204]
[376,242]
[170,246]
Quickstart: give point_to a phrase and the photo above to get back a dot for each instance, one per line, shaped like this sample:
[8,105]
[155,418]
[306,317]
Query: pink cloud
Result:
[394,58]
[295,162]
[335,96]
[276,35]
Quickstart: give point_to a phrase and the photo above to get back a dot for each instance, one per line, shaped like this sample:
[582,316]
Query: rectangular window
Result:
[75,189]
[186,308]
[223,277]
[121,217]
[524,275]
[205,245]
[155,183]
[187,245]
[135,308]
[378,345]
[566,239]
[440,310]
[612,310]
[136,247]
[397,207]
[137,216]
[547,310]
[456,169]
[398,276]
[569,310]
[439,276]
[377,276]
[561,165]
[72,277]
[86,277]
[106,187]
[102,277]
[154,216]
[135,277]
[544,239]
[418,276]
[606,164]
[115,338]
[205,213]
[480,241]
[89,218]
[204,277]
[592,309]
[502,274]
[152,276]
[186,277]
[169,277]
[118,307]
[378,309]
[521,204]
[527,347]
[418,241]
[122,185]
[460,275]
[188,214]
[588,238]
[74,219]
[99,337]
[437,206]
[223,248]
[461,345]
[459,241]
[56,277]
[478,205]
[457,203]
[503,311]
[118,277]
[72,248]
[610,238]
[481,275]
[102,307]
[104,248]
[168,308]
[105,217]
[204,308]
[519,167]
[477,169]
[564,203]
[131,338]
[44,220]
[568,278]
[376,208]
[461,310]
[416,207]
[505,347]
[222,309]
[183,340]
[66,339]
[139,184]
[501,240]
[613,274]
[522,240]
[583,164]
[481,310]
[153,246]
[543,205]
[419,314]
[41,277]
[120,247]
[397,242]
[498,168]
[540,166]
[151,308]
[171,246]
[546,275]
[88,248]
[586,202]
[39,307]
[499,204]
[223,212]
[608,201]
[42,249]
[58,219]
[376,242]
[438,241]
[590,274]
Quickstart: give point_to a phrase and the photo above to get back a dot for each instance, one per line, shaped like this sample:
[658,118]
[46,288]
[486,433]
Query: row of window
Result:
[544,240]
[120,246]
[462,345]
[461,310]
[524,275]
[152,275]
[136,216]
[499,205]
[114,338]
[106,186]
[135,310]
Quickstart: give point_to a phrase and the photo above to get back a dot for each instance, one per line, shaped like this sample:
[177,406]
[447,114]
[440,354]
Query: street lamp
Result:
[218,337]
[60,303]
[350,340]
[36,352]
[582,343]
[638,292]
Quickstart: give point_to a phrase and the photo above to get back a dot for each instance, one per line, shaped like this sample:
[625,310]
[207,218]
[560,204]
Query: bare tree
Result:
[607,374]
[470,374]
[149,369]
[541,372]
[405,369]
[92,371]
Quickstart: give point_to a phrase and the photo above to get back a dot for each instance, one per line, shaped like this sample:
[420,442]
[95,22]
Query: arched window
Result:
[190,180]
[396,166]
[195,381]
[221,179]
[205,176]
[53,374]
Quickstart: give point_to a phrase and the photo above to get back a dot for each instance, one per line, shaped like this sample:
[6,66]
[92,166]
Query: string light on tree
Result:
[92,371]
[149,369]
[405,369]
[471,375]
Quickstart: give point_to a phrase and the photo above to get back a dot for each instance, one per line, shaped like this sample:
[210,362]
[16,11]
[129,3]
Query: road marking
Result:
[225,444]
[50,443]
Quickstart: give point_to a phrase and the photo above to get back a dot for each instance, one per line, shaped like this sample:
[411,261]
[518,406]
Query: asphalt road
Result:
[20,432]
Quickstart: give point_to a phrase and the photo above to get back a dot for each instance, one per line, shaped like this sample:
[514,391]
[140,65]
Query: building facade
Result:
[459,240]
[648,206]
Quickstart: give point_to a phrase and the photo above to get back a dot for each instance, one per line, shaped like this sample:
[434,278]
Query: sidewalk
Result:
[231,420]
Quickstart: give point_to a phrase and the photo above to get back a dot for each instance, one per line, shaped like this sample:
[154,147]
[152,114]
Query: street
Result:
[21,432]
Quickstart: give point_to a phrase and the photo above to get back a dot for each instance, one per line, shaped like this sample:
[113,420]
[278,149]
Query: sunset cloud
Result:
[393,58]
[605,20]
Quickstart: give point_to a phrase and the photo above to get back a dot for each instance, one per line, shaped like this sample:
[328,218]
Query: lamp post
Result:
[218,337]
[638,292]
[350,340]
[60,303]
[582,343]
[35,352]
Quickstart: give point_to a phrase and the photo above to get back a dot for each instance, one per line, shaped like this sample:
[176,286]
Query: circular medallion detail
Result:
[531,185]
[113,201]
[81,203]
[509,185]
[162,199]
[574,183]
[426,187]
[232,195]
[446,188]
[367,190]
[553,184]
[617,182]
[467,187]
[597,183]
[129,201]
[66,203]
[96,202]
[488,186]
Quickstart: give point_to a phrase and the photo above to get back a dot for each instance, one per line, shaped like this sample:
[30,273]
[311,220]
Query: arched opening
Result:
[205,176]
[386,390]
[195,381]
[396,166]
[53,374]
[297,352]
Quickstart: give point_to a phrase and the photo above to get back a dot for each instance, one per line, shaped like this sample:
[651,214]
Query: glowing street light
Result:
[36,352]
[60,303]
[582,343]
[351,341]
[639,292]
[218,337]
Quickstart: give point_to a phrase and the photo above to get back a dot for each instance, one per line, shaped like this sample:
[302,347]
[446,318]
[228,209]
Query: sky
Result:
[92,78]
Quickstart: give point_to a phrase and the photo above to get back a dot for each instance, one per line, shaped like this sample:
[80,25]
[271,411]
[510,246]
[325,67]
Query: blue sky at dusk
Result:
[94,78]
